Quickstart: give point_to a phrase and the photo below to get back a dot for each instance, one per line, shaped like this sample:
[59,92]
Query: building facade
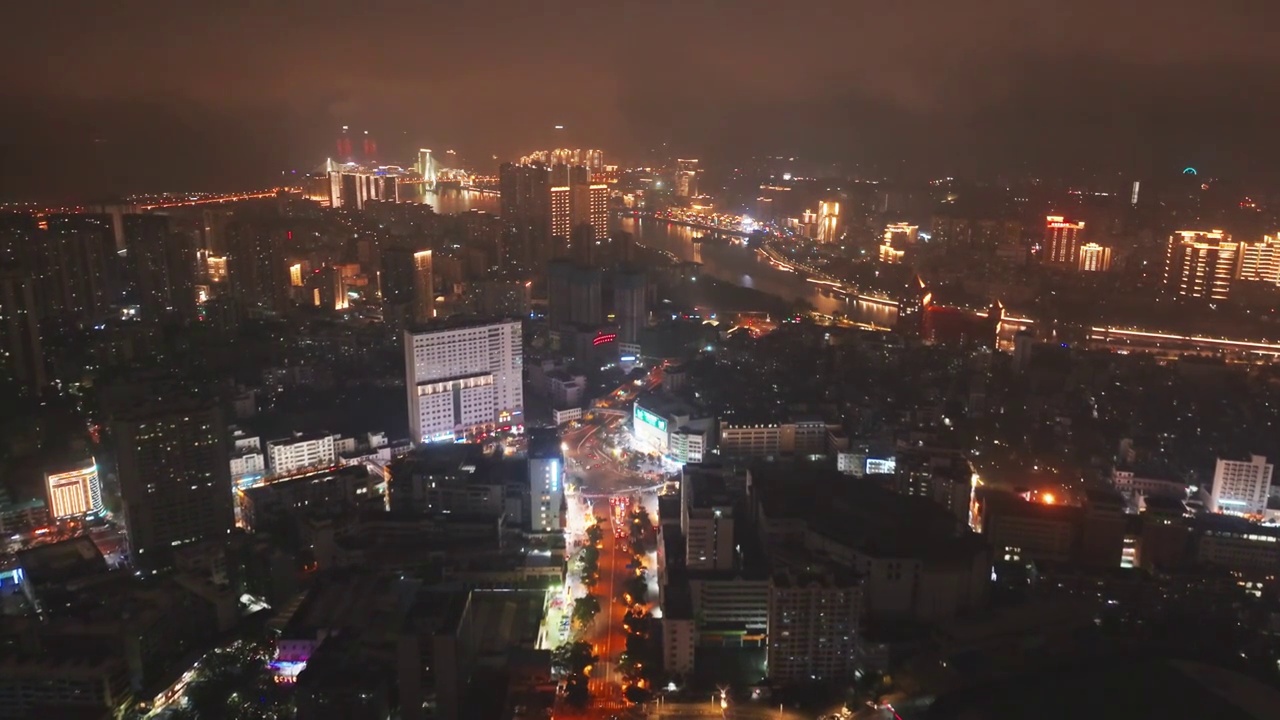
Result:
[174,475]
[463,377]
[1240,487]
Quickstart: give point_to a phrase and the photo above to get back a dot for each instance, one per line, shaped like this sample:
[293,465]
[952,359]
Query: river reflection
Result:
[741,266]
[452,201]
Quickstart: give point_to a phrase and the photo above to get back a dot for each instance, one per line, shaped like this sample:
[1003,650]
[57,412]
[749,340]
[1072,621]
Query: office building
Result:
[424,289]
[707,522]
[174,471]
[21,355]
[1200,264]
[813,625]
[1094,258]
[463,376]
[1260,261]
[74,492]
[447,478]
[1062,240]
[1240,487]
[1021,530]
[256,268]
[546,480]
[828,221]
[287,456]
[162,265]
[750,439]
[724,600]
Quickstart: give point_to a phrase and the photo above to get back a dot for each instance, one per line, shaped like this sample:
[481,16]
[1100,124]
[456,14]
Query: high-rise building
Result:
[502,297]
[77,267]
[559,282]
[1201,264]
[21,355]
[686,178]
[546,480]
[629,291]
[174,468]
[1094,258]
[424,287]
[1240,487]
[74,492]
[579,204]
[1260,261]
[463,376]
[813,626]
[526,212]
[828,221]
[256,268]
[162,266]
[561,212]
[397,277]
[584,248]
[598,209]
[1062,240]
[543,204]
[585,305]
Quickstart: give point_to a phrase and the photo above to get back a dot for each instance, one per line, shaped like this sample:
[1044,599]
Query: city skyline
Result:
[994,88]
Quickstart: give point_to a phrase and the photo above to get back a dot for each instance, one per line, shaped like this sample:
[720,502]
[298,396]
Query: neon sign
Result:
[602,339]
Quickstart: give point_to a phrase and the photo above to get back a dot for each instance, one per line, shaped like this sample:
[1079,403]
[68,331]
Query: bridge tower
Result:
[427,168]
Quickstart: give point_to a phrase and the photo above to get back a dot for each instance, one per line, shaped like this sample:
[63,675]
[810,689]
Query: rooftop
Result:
[861,514]
[459,322]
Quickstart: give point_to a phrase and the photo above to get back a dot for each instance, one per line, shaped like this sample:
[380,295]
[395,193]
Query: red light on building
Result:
[602,339]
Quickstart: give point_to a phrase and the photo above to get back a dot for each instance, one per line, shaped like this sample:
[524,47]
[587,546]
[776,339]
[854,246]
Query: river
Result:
[452,201]
[741,266]
[723,261]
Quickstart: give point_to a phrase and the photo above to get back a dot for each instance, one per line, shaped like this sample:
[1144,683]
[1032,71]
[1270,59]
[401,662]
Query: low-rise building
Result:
[300,452]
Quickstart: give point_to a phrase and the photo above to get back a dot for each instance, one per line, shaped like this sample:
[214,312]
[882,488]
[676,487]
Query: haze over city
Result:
[661,360]
[150,96]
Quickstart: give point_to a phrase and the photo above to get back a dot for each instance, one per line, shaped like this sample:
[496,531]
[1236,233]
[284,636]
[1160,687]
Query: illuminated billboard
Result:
[74,493]
[650,430]
[649,418]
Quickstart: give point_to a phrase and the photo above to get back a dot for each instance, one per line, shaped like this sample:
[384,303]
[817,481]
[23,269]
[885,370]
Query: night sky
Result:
[103,97]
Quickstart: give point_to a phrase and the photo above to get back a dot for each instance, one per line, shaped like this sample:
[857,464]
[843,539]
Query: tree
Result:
[576,692]
[637,694]
[637,586]
[594,534]
[573,658]
[585,608]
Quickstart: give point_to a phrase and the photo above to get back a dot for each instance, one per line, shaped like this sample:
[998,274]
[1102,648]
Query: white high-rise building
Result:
[463,376]
[1240,487]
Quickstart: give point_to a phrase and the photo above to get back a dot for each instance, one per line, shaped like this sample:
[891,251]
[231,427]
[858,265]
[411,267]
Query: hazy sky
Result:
[127,95]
